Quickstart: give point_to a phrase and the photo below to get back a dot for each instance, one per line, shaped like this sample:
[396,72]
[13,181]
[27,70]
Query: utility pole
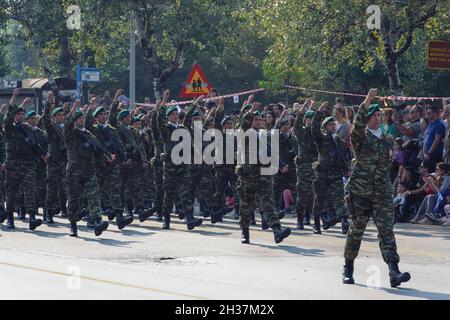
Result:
[132,63]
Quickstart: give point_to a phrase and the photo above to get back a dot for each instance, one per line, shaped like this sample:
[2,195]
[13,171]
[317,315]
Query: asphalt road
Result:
[145,262]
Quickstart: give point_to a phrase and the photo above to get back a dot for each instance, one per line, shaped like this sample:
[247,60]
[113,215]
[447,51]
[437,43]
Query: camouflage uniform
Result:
[306,156]
[250,183]
[225,174]
[21,160]
[2,175]
[108,174]
[41,168]
[81,177]
[56,166]
[149,181]
[176,176]
[330,170]
[157,164]
[370,190]
[130,175]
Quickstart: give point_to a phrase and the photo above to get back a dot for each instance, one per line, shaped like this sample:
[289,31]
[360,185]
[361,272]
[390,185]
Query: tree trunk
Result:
[395,84]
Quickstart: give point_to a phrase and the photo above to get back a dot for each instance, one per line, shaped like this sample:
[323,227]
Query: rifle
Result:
[31,139]
[88,142]
[112,144]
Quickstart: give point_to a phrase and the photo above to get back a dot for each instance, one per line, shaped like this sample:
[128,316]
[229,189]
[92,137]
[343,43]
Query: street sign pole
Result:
[132,65]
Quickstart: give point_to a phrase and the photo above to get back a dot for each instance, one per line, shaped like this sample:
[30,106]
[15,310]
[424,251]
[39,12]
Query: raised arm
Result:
[114,109]
[161,117]
[359,126]
[317,124]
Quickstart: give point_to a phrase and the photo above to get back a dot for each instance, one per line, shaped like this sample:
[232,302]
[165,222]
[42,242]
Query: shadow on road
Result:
[294,250]
[414,293]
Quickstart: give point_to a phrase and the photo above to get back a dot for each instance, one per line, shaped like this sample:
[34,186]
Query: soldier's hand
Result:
[285,169]
[284,114]
[324,107]
[255,106]
[46,157]
[166,96]
[77,103]
[312,105]
[119,92]
[145,165]
[250,99]
[50,96]
[14,96]
[371,96]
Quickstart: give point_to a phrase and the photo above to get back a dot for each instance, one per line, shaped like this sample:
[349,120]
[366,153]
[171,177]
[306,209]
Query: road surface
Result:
[145,262]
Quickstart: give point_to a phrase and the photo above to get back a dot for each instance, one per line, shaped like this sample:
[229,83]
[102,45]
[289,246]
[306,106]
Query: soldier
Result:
[370,191]
[2,171]
[32,120]
[176,176]
[157,165]
[53,121]
[108,173]
[285,179]
[131,169]
[306,156]
[22,151]
[83,150]
[252,182]
[332,166]
[225,172]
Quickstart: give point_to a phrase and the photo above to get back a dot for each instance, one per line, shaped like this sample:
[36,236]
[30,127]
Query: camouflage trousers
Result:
[159,187]
[56,184]
[2,187]
[225,175]
[20,174]
[109,182]
[149,189]
[82,181]
[253,191]
[329,189]
[41,184]
[177,183]
[304,187]
[283,181]
[131,185]
[382,211]
[201,184]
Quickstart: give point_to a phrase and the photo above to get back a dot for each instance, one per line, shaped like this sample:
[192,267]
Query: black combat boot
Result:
[347,272]
[307,219]
[316,226]
[143,215]
[331,222]
[264,224]
[300,223]
[122,221]
[34,223]
[166,223]
[193,222]
[395,276]
[280,233]
[73,229]
[48,216]
[10,222]
[3,215]
[21,213]
[253,219]
[216,217]
[180,213]
[159,216]
[236,213]
[245,235]
[345,225]
[110,213]
[282,214]
[100,226]
[130,207]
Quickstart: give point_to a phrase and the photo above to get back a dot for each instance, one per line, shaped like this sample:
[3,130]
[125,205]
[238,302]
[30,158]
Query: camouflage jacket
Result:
[307,150]
[55,137]
[158,146]
[80,154]
[373,160]
[332,159]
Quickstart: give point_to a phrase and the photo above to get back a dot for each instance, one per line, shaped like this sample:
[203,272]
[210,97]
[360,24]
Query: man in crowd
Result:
[433,146]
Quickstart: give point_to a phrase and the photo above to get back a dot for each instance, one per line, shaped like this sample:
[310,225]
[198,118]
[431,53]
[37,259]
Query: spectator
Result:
[399,203]
[446,119]
[433,147]
[343,131]
[107,101]
[350,114]
[388,126]
[411,135]
[398,162]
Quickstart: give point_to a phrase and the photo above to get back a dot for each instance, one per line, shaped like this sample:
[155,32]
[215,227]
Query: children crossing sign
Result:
[196,84]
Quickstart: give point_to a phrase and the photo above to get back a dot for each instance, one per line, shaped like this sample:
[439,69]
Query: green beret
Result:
[57,110]
[140,116]
[20,109]
[310,114]
[78,114]
[30,114]
[373,108]
[247,107]
[98,110]
[225,120]
[196,113]
[135,119]
[170,110]
[123,114]
[258,113]
[327,121]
